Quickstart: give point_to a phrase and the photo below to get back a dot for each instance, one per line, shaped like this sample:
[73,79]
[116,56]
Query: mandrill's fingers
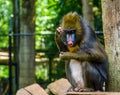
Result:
[77,89]
[59,30]
[65,55]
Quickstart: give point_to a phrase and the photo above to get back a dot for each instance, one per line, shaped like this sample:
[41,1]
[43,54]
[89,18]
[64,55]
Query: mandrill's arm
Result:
[59,40]
[90,55]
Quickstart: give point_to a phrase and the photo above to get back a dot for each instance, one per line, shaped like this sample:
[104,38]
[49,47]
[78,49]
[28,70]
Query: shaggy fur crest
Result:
[71,20]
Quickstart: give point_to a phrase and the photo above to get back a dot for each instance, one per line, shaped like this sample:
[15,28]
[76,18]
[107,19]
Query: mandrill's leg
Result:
[74,74]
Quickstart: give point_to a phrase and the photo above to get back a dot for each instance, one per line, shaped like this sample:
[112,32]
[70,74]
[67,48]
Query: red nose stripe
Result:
[70,43]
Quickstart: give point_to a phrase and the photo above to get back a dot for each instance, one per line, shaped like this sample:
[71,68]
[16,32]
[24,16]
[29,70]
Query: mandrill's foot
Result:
[77,89]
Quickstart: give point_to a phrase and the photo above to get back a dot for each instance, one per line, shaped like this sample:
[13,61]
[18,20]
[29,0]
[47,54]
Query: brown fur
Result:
[73,49]
[71,20]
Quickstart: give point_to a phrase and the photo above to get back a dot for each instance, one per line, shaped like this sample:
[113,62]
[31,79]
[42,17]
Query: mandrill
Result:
[86,60]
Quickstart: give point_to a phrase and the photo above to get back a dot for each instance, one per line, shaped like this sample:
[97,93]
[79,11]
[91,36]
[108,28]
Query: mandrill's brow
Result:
[69,31]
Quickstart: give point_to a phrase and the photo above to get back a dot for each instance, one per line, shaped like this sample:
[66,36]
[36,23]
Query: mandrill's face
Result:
[72,29]
[70,37]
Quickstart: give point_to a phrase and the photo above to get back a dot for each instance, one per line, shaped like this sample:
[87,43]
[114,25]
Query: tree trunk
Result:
[88,12]
[111,27]
[27,44]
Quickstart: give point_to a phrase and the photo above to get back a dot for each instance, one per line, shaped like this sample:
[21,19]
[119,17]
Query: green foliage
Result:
[45,13]
[3,72]
[42,72]
[5,13]
[97,14]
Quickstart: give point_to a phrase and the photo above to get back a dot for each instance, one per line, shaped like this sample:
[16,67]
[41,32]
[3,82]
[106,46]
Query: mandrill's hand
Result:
[59,30]
[64,55]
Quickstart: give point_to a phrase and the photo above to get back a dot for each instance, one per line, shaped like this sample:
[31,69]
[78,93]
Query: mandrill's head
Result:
[71,21]
[73,29]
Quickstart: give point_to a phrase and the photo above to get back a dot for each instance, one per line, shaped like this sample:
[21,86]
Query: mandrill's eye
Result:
[69,31]
[73,31]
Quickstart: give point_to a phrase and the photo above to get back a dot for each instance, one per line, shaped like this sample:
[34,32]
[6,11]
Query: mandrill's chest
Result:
[73,49]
